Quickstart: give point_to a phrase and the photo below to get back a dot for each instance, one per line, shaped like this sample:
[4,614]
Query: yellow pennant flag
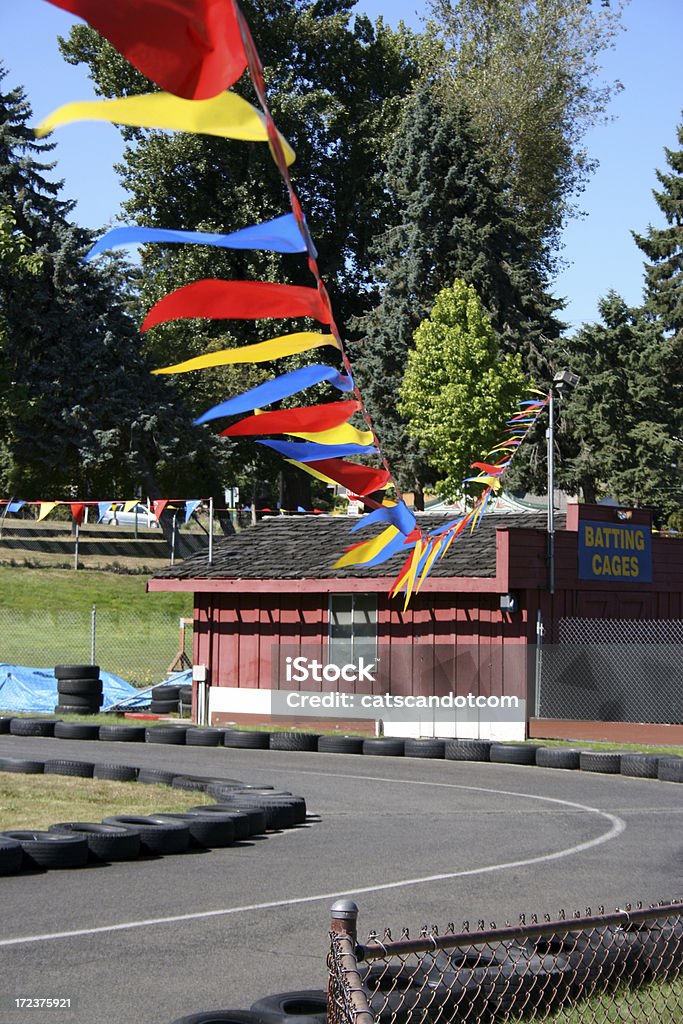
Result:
[262,351]
[308,468]
[46,507]
[226,115]
[128,506]
[366,552]
[345,434]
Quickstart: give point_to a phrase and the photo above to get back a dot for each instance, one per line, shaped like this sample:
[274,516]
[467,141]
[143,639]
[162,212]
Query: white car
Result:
[139,515]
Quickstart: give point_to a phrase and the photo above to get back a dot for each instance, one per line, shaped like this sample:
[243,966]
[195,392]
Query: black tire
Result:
[219,790]
[185,694]
[467,750]
[82,700]
[123,733]
[80,688]
[226,1017]
[4,724]
[155,777]
[50,849]
[79,769]
[165,734]
[115,772]
[32,727]
[513,753]
[246,739]
[293,741]
[190,783]
[385,746]
[670,769]
[105,842]
[340,745]
[206,831]
[424,747]
[166,693]
[639,766]
[70,709]
[290,1006]
[11,856]
[255,817]
[156,834]
[607,762]
[279,816]
[201,737]
[77,731]
[21,765]
[558,757]
[77,671]
[164,707]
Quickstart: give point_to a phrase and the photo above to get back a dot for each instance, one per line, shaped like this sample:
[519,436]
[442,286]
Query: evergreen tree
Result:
[664,247]
[458,389]
[449,221]
[617,435]
[80,408]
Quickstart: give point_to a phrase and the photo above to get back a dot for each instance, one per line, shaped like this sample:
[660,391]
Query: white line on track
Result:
[617,826]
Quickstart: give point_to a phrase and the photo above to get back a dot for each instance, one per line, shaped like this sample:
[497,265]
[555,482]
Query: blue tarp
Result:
[35,689]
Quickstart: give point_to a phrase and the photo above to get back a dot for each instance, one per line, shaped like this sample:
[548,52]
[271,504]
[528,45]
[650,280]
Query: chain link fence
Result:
[613,670]
[141,650]
[624,966]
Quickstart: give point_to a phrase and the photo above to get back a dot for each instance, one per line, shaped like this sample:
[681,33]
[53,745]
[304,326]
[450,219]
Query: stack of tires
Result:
[79,688]
[165,699]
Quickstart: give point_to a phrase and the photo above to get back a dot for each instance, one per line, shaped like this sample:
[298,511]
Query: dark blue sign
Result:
[615,553]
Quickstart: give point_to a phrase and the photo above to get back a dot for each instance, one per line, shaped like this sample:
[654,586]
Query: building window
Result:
[352,628]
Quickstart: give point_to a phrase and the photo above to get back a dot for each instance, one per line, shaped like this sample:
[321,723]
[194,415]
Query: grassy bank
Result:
[36,801]
[53,590]
[46,620]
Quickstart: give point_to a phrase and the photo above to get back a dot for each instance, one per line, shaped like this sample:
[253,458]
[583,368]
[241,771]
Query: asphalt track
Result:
[413,841]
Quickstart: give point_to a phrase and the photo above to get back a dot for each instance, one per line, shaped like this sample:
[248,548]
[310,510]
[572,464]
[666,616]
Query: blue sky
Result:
[598,247]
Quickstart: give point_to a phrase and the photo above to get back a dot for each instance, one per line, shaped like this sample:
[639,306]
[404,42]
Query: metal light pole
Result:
[550,440]
[563,381]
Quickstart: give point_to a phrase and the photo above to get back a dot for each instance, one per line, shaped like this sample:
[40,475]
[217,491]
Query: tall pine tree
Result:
[449,220]
[80,409]
[664,246]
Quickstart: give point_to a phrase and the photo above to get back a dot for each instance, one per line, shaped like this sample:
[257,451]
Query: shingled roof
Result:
[305,547]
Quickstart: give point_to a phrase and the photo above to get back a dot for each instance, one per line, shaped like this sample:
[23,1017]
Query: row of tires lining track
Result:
[242,811]
[636,764]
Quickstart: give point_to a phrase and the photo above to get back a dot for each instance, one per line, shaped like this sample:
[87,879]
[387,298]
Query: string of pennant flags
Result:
[195,52]
[188,506]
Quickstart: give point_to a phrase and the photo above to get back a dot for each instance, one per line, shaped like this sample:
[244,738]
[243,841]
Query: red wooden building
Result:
[489,625]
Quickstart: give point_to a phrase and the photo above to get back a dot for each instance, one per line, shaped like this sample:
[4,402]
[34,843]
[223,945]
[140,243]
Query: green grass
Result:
[46,615]
[659,1001]
[586,745]
[36,801]
[28,590]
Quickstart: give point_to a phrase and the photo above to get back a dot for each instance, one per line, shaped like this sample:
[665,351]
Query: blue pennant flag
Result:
[308,451]
[273,390]
[279,235]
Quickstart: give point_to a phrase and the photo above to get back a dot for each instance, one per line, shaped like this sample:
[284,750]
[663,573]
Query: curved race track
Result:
[413,841]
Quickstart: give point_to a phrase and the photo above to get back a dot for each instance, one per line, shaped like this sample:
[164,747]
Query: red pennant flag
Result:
[77,511]
[359,479]
[238,300]
[303,418]
[158,507]
[192,49]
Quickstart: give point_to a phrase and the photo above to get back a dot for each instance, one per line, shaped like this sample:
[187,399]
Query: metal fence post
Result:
[93,626]
[345,919]
[347,1001]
